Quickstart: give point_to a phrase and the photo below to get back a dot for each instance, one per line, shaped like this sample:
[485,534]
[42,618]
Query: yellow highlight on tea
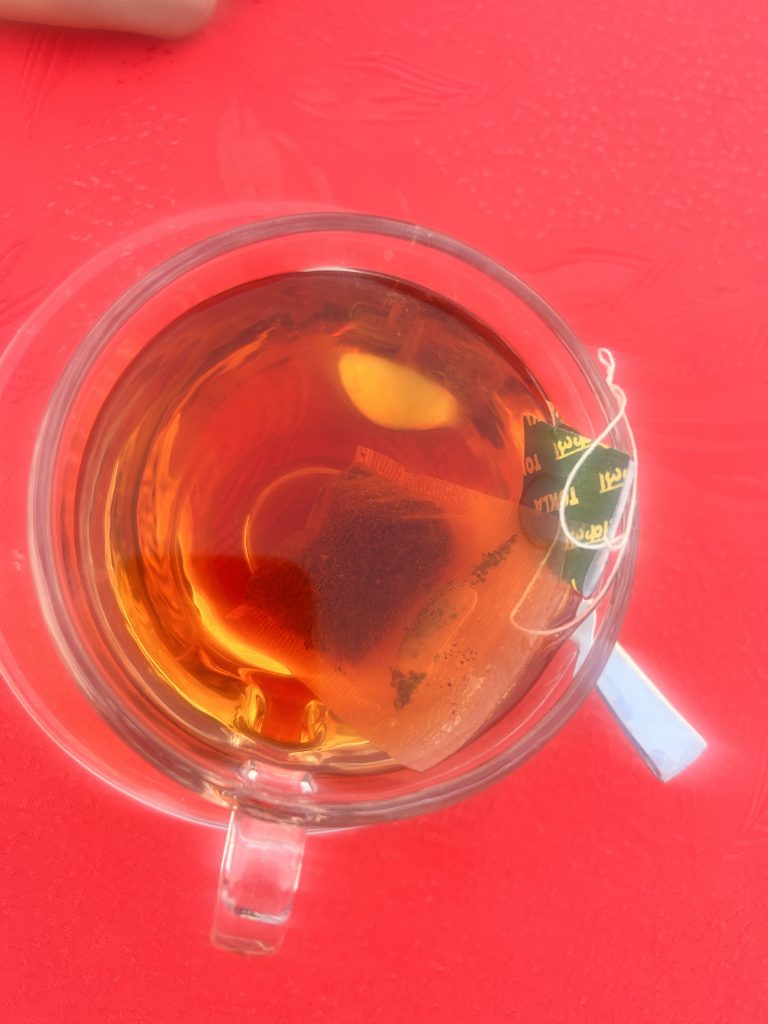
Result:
[395,396]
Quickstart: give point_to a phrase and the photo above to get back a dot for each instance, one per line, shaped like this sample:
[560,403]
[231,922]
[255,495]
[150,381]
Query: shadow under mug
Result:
[53,380]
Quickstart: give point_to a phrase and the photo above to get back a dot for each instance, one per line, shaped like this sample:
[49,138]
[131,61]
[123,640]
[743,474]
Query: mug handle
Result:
[259,876]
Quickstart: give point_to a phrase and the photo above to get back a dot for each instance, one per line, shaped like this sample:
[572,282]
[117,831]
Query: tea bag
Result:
[397,602]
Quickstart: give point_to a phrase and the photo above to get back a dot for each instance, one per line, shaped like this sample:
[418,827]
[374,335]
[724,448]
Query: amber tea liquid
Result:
[231,470]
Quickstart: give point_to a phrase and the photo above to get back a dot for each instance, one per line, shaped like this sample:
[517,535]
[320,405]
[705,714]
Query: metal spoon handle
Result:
[665,740]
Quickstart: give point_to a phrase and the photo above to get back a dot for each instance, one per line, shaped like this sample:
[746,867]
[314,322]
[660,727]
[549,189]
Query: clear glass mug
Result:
[53,378]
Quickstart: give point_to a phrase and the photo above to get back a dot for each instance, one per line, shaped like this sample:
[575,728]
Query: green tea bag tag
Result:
[594,501]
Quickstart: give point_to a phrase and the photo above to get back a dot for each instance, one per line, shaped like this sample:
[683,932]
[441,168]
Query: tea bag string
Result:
[616,543]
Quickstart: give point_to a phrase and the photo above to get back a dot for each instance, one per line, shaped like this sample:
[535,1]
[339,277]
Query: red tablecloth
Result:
[613,154]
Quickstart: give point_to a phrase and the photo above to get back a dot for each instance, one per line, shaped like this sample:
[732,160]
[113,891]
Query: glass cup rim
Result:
[206,249]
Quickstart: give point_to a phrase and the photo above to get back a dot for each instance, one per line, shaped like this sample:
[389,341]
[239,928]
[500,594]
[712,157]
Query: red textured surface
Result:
[614,155]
